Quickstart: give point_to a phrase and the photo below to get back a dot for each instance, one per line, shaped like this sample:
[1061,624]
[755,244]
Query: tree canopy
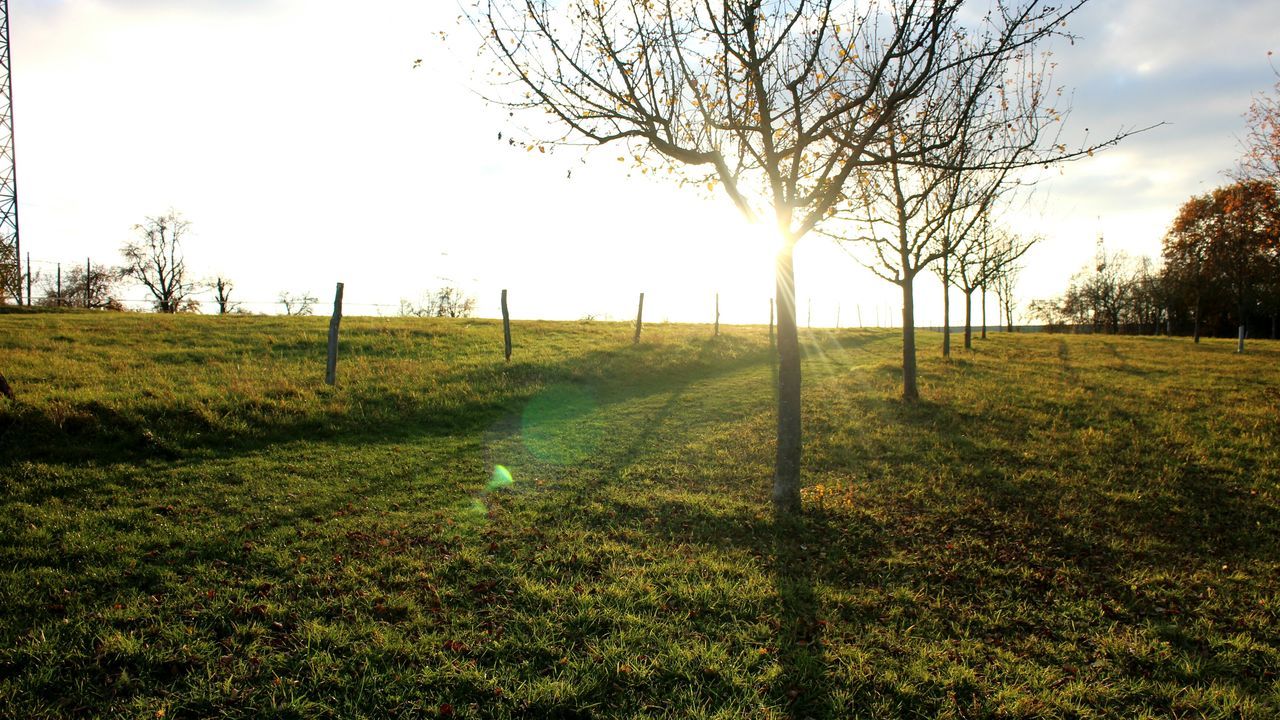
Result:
[778,103]
[1225,246]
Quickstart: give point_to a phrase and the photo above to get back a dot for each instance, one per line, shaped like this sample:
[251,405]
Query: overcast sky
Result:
[305,148]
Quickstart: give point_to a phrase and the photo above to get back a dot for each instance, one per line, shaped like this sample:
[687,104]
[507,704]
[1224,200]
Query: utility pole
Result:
[9,241]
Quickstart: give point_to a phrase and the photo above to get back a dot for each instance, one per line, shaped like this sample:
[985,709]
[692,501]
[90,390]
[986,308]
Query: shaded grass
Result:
[194,524]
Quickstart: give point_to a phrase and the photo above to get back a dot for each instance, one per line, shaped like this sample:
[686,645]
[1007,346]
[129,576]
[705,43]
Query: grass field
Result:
[194,525]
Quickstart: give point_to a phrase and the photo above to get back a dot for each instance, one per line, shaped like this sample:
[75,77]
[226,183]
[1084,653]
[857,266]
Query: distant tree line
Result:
[1220,273]
[1117,294]
[1220,270]
[154,259]
[447,301]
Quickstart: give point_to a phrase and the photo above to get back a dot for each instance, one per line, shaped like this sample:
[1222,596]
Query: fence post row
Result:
[331,370]
[506,327]
[639,321]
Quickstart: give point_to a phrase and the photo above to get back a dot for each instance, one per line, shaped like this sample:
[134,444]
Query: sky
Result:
[305,149]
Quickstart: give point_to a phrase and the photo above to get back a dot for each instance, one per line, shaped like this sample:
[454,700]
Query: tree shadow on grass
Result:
[979,546]
[805,684]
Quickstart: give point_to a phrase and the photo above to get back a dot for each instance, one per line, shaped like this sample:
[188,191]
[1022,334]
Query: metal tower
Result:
[10,246]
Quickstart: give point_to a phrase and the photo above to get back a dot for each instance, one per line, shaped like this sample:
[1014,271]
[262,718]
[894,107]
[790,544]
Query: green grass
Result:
[194,525]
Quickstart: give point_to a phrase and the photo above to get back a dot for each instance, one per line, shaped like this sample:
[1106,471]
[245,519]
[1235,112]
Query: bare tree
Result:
[1003,263]
[979,261]
[1113,295]
[971,264]
[448,301]
[1005,282]
[950,157]
[1261,160]
[222,288]
[93,287]
[299,304]
[155,260]
[913,215]
[946,276]
[778,104]
[1049,311]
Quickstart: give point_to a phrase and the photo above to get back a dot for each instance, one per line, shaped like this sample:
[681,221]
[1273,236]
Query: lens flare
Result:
[501,478]
[557,426]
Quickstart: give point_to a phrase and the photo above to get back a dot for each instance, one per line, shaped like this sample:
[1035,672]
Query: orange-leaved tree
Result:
[1227,239]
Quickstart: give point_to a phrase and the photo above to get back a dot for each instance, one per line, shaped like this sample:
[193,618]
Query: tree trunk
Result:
[1195,326]
[910,393]
[946,310]
[984,312]
[968,319]
[1240,342]
[506,328]
[1273,326]
[786,478]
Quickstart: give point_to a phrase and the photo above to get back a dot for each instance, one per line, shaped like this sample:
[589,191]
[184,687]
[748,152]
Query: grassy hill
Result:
[194,525]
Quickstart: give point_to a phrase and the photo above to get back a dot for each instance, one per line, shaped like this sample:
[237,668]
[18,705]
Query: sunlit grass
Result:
[193,523]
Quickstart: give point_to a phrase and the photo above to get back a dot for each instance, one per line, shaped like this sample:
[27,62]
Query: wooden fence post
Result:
[506,327]
[639,320]
[717,314]
[331,369]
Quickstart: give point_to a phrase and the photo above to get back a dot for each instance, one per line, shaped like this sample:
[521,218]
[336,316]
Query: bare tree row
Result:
[832,116]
